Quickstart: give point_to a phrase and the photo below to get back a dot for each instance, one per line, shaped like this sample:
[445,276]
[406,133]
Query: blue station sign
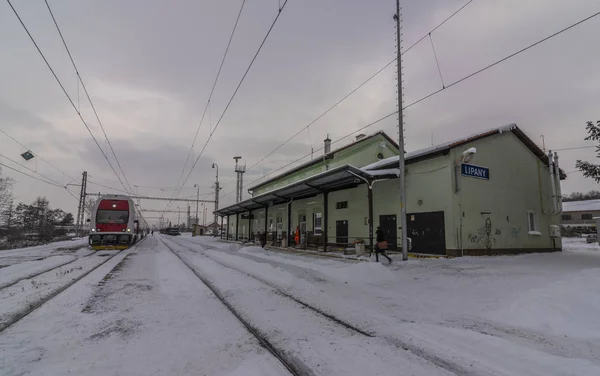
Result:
[473,171]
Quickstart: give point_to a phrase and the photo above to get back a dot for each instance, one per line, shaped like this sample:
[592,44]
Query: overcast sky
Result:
[149,66]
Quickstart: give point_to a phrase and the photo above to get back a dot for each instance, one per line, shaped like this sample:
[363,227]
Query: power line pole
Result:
[240,170]
[403,221]
[81,206]
[217,189]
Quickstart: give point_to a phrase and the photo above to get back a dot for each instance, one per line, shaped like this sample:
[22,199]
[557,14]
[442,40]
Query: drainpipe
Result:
[552,181]
[325,219]
[558,190]
[289,222]
[237,226]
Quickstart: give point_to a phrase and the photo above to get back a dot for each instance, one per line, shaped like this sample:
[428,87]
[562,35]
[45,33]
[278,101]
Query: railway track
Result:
[399,343]
[284,293]
[289,364]
[33,275]
[34,306]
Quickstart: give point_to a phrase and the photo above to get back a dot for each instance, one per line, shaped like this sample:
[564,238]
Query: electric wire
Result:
[27,168]
[38,179]
[86,93]
[65,91]
[359,86]
[576,148]
[455,83]
[319,149]
[36,154]
[503,59]
[234,93]
[206,107]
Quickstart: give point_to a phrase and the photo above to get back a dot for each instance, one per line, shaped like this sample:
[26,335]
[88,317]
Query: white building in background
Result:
[579,215]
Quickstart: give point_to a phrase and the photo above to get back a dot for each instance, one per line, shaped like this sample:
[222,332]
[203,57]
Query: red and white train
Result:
[114,223]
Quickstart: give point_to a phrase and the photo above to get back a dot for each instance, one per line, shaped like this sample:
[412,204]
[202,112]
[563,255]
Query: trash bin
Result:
[360,249]
[283,242]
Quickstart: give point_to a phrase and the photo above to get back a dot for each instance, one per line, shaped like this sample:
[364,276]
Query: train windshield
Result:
[112,216]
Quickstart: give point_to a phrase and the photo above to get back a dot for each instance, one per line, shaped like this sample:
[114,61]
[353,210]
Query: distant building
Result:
[213,226]
[579,215]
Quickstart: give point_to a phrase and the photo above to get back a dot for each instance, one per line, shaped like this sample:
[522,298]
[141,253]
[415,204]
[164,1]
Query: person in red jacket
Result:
[297,235]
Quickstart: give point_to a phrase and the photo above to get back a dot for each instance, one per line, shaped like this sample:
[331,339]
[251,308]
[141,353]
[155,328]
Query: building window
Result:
[317,223]
[532,223]
[341,205]
[587,217]
[566,217]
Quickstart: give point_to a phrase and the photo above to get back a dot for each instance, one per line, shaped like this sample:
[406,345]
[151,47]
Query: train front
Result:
[112,225]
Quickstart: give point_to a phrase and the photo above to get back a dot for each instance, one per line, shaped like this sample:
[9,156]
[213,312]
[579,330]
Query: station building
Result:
[495,192]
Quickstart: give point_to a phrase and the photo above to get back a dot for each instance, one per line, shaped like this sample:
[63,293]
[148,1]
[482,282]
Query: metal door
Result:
[341,232]
[427,232]
[389,227]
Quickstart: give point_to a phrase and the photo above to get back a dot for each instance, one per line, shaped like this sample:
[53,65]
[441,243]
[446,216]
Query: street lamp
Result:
[465,157]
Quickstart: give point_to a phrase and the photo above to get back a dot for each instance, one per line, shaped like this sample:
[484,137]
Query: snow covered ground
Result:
[77,246]
[531,314]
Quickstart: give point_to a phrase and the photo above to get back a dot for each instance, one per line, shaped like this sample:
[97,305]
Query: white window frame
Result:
[533,231]
[318,230]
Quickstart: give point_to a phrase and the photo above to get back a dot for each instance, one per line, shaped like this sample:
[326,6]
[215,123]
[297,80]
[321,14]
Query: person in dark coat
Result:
[263,239]
[381,245]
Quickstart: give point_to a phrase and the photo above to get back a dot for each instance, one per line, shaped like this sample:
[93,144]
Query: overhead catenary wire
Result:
[39,179]
[503,59]
[576,148]
[450,85]
[212,90]
[235,92]
[80,80]
[358,87]
[29,169]
[37,155]
[65,91]
[319,149]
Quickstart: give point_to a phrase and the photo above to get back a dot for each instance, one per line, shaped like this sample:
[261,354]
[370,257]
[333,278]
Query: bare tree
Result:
[6,185]
[89,204]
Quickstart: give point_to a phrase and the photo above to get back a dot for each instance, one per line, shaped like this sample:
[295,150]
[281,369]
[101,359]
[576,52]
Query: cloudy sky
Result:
[149,67]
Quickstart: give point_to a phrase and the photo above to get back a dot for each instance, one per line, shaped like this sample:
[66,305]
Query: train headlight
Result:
[128,230]
[93,230]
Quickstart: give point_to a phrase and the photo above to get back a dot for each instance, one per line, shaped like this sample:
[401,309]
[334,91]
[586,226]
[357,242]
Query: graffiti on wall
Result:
[485,235]
[515,232]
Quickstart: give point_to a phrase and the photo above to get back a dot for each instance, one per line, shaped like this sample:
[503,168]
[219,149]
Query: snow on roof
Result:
[442,146]
[390,171]
[587,205]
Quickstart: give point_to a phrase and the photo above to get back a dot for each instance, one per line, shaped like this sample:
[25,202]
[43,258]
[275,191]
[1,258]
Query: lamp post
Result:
[217,189]
[465,157]
[197,200]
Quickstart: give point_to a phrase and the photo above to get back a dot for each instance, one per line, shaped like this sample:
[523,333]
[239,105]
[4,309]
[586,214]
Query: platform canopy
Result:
[342,177]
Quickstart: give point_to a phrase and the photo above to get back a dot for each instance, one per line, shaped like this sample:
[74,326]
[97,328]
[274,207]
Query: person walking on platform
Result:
[381,245]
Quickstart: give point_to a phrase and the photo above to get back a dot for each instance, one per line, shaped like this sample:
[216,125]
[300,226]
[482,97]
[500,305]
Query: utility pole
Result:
[217,189]
[240,170]
[178,217]
[403,221]
[81,206]
[197,201]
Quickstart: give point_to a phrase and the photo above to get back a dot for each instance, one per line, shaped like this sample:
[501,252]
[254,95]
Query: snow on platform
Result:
[533,314]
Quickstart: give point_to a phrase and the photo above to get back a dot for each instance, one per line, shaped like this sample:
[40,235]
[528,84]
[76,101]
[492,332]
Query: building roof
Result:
[341,177]
[578,206]
[318,160]
[444,148]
